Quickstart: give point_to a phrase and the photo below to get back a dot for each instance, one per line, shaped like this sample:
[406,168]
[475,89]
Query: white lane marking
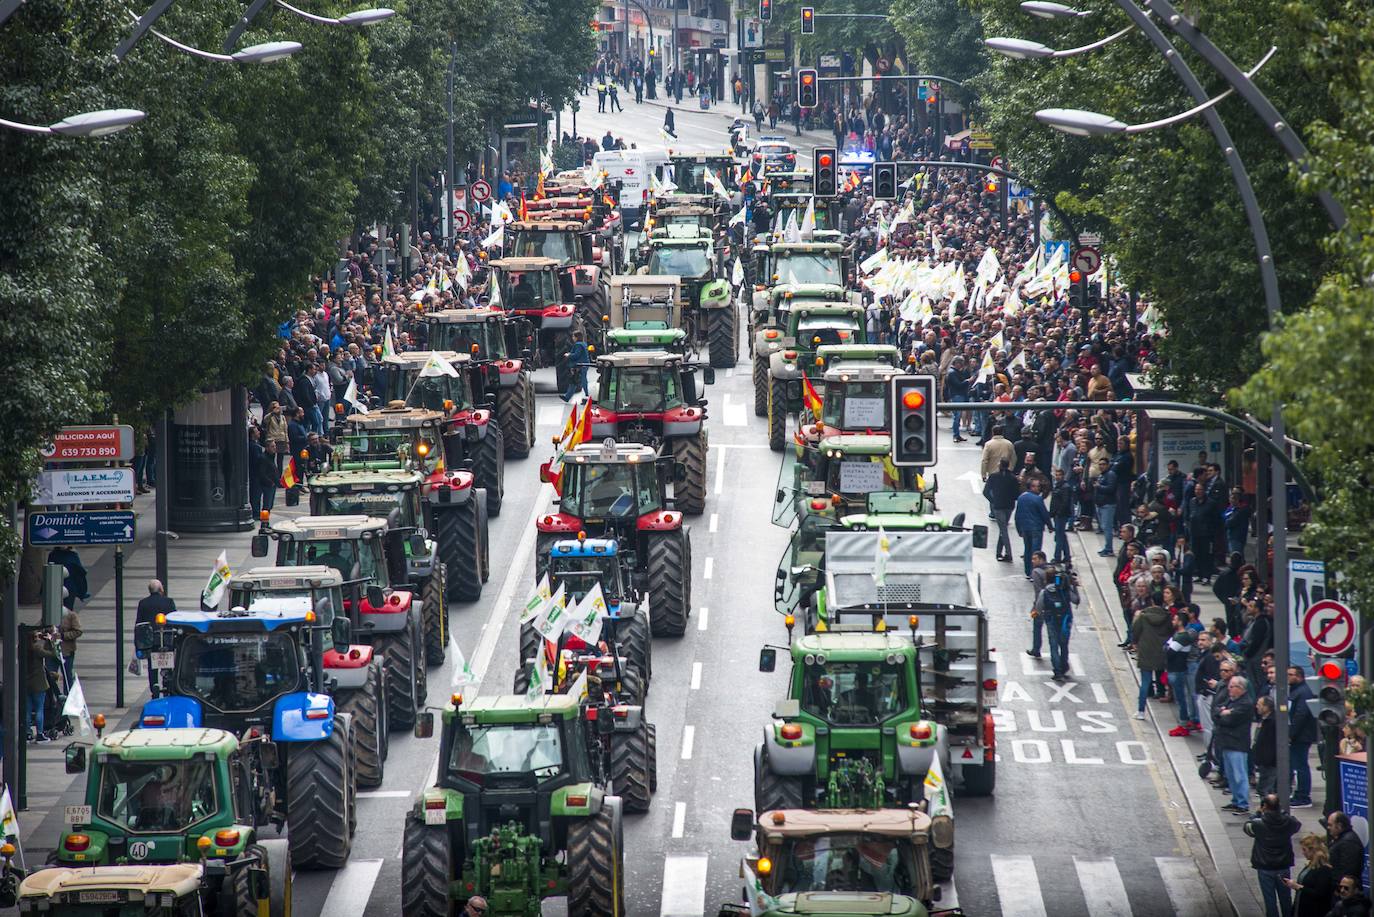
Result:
[1075,665]
[729,373]
[548,415]
[709,568]
[696,676]
[679,819]
[1018,887]
[1099,693]
[975,480]
[491,630]
[703,617]
[689,733]
[1187,891]
[352,888]
[736,415]
[383,794]
[714,523]
[1102,887]
[720,470]
[684,887]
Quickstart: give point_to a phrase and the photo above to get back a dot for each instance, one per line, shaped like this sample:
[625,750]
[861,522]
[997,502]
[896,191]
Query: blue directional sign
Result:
[95,527]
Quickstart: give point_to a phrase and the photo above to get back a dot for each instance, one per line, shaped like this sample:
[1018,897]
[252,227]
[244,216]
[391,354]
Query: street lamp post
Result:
[90,124]
[449,220]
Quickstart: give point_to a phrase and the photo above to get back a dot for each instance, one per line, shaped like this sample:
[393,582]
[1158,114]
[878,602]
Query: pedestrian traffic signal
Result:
[1329,704]
[807,88]
[823,175]
[766,10]
[808,20]
[913,420]
[885,181]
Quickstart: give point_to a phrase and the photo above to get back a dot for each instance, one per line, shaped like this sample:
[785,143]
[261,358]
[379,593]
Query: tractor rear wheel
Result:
[484,535]
[760,387]
[632,686]
[531,642]
[405,676]
[319,797]
[426,868]
[365,706]
[520,684]
[596,866]
[689,494]
[772,791]
[722,332]
[636,645]
[434,616]
[630,768]
[777,414]
[560,344]
[515,411]
[941,863]
[653,758]
[670,583]
[458,536]
[489,464]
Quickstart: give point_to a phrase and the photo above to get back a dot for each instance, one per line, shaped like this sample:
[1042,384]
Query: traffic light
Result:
[1076,291]
[766,10]
[990,184]
[807,88]
[808,20]
[885,181]
[824,177]
[913,420]
[1329,704]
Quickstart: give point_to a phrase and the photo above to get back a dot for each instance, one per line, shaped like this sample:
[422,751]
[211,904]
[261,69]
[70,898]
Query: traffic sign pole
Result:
[119,625]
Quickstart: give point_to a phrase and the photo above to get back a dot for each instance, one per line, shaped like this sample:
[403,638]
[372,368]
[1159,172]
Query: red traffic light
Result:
[808,78]
[825,160]
[913,400]
[990,186]
[1331,670]
[1075,276]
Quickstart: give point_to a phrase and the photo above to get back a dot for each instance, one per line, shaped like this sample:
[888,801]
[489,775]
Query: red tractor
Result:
[540,300]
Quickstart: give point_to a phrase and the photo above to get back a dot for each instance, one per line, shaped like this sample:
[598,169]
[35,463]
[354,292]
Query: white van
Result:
[632,168]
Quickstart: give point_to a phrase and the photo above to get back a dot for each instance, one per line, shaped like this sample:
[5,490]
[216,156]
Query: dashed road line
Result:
[696,676]
[679,819]
[708,568]
[703,618]
[688,735]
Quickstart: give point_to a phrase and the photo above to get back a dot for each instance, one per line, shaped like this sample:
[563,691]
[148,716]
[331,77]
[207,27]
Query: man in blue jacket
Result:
[1302,734]
[1032,519]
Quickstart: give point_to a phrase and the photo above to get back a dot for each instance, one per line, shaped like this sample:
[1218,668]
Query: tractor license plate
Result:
[164,660]
[435,816]
[98,897]
[76,815]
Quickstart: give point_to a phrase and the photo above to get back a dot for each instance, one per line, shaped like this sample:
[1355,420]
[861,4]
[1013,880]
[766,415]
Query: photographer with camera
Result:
[1054,606]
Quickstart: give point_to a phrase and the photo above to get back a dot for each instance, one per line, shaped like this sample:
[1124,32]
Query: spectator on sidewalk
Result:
[70,631]
[1201,679]
[269,475]
[274,431]
[1233,720]
[1344,847]
[74,577]
[1302,734]
[1272,854]
[255,453]
[1061,511]
[1054,607]
[41,651]
[1263,755]
[1104,498]
[1149,631]
[1350,900]
[1315,884]
[997,450]
[1178,649]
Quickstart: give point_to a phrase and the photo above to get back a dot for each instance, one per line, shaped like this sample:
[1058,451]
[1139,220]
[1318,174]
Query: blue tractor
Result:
[265,670]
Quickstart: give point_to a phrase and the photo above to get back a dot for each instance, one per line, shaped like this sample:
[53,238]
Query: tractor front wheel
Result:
[365,704]
[406,680]
[772,791]
[630,768]
[653,758]
[670,583]
[636,645]
[434,615]
[489,464]
[777,414]
[319,798]
[459,538]
[515,411]
[689,494]
[596,865]
[426,868]
[722,331]
[760,387]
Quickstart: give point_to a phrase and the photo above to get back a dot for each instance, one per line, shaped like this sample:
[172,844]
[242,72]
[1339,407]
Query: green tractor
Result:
[827,212]
[157,797]
[708,312]
[847,469]
[853,390]
[767,326]
[807,325]
[518,814]
[644,314]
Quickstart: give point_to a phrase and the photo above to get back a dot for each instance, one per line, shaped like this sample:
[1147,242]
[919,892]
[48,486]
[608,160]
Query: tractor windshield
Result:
[601,490]
[639,389]
[843,863]
[808,267]
[238,672]
[579,574]
[479,751]
[814,331]
[528,289]
[353,559]
[863,474]
[685,261]
[853,693]
[375,447]
[436,393]
[855,405]
[157,796]
[324,602]
[379,504]
[560,246]
[461,336]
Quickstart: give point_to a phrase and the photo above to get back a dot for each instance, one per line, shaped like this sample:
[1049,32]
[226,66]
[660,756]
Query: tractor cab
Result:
[562,241]
[648,389]
[431,380]
[394,437]
[689,172]
[393,495]
[480,333]
[854,394]
[607,487]
[644,314]
[115,891]
[534,288]
[802,263]
[580,564]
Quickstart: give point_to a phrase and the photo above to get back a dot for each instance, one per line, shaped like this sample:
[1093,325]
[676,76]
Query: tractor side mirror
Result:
[341,631]
[424,725]
[375,596]
[259,545]
[679,472]
[742,825]
[544,473]
[74,758]
[768,659]
[708,375]
[145,637]
[417,544]
[980,536]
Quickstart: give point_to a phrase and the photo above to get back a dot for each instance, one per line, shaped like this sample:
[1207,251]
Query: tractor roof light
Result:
[160,619]
[765,866]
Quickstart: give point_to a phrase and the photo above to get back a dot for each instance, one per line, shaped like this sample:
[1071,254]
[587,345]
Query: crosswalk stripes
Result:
[1103,889]
[1105,894]
[1018,887]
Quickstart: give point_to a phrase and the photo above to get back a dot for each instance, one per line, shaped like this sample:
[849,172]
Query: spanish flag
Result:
[568,429]
[288,475]
[747,177]
[583,432]
[524,209]
[812,398]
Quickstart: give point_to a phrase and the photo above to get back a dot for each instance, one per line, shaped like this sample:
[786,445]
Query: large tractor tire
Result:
[760,387]
[237,897]
[596,865]
[653,758]
[777,414]
[520,683]
[543,544]
[368,709]
[941,863]
[320,790]
[689,494]
[426,867]
[531,642]
[635,641]
[484,533]
[434,616]
[406,680]
[459,539]
[489,465]
[772,791]
[722,332]
[670,583]
[980,781]
[630,768]
[276,853]
[633,688]
[515,411]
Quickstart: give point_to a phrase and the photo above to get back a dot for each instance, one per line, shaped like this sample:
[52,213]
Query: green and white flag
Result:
[463,676]
[9,819]
[76,707]
[554,617]
[388,346]
[585,622]
[534,605]
[219,581]
[540,681]
[436,365]
[937,790]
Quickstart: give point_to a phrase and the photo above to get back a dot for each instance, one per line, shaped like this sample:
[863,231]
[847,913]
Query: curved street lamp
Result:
[1021,49]
[89,124]
[356,19]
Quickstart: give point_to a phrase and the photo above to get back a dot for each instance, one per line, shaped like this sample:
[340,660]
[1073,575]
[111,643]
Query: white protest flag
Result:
[585,623]
[463,676]
[545,163]
[738,218]
[495,300]
[874,261]
[997,342]
[791,231]
[737,273]
[351,397]
[534,605]
[219,581]
[987,266]
[880,554]
[1018,361]
[808,223]
[986,370]
[540,682]
[436,365]
[554,617]
[388,345]
[497,237]
[76,707]
[760,902]
[937,790]
[9,819]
